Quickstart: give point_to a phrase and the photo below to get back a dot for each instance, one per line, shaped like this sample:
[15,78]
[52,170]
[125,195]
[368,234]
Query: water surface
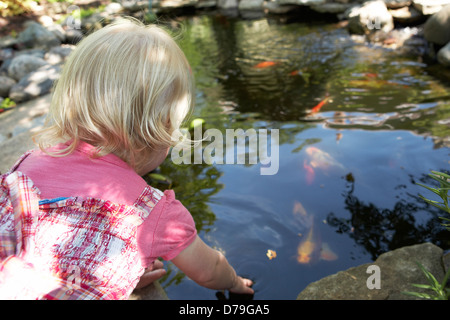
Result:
[384,128]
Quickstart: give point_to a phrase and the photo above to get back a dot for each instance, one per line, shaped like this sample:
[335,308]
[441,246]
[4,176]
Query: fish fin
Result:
[309,173]
[327,254]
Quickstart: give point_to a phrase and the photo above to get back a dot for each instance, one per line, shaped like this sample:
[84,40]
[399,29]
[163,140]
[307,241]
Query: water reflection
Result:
[379,229]
[351,163]
[193,185]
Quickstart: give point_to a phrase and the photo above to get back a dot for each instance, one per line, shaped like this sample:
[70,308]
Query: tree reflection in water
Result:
[379,230]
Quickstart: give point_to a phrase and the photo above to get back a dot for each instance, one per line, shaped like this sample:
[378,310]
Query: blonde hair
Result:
[124,89]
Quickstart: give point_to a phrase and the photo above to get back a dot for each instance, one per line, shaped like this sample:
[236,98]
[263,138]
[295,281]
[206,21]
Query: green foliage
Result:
[440,292]
[15,7]
[441,191]
[6,104]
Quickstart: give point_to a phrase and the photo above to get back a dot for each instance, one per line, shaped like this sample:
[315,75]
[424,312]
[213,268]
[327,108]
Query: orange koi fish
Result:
[265,64]
[371,75]
[301,216]
[321,159]
[319,105]
[311,249]
[310,174]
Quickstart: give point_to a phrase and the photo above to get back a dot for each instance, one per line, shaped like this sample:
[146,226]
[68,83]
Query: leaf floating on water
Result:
[271,254]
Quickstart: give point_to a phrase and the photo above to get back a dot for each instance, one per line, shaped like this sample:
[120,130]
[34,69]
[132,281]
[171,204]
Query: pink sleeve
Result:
[167,231]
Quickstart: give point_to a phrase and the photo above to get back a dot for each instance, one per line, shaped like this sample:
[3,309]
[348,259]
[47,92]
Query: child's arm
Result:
[209,268]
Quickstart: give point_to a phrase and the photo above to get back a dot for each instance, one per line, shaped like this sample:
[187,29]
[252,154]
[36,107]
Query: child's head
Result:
[125,89]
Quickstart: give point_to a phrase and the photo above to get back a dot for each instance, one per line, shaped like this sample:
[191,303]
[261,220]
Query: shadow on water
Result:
[379,230]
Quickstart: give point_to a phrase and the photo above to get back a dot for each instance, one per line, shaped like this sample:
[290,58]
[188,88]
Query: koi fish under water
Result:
[265,64]
[321,159]
[319,105]
[318,159]
[311,249]
[310,173]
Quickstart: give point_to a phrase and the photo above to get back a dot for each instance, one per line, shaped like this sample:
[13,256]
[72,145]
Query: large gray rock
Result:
[368,17]
[227,4]
[398,271]
[35,84]
[429,7]
[7,42]
[276,8]
[331,7]
[395,4]
[406,15]
[35,35]
[23,64]
[437,27]
[251,5]
[6,83]
[59,54]
[443,55]
[302,2]
[154,291]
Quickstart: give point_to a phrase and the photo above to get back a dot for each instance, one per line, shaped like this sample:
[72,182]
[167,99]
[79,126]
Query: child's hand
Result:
[242,286]
[152,273]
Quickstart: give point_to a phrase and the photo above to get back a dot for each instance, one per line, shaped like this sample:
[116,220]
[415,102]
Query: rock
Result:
[406,15]
[395,4]
[303,2]
[23,64]
[58,31]
[59,54]
[398,270]
[437,27]
[331,7]
[46,21]
[429,7]
[35,84]
[251,5]
[414,45]
[35,35]
[7,42]
[443,55]
[276,8]
[153,291]
[6,84]
[38,53]
[227,4]
[174,3]
[6,54]
[134,6]
[113,8]
[205,4]
[370,16]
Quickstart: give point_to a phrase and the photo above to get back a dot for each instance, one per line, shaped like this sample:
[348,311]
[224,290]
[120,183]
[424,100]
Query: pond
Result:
[358,126]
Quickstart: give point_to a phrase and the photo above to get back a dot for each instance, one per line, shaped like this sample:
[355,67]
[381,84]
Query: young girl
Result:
[77,221]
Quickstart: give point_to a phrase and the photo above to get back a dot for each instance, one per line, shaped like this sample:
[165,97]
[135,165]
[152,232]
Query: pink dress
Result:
[73,240]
